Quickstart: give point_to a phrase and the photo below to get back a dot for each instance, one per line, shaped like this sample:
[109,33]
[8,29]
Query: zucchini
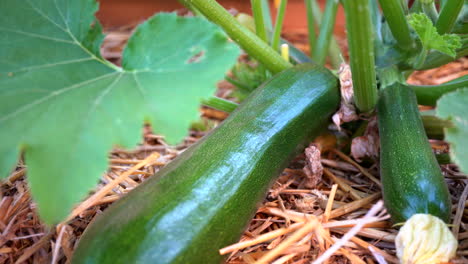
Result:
[204,199]
[411,178]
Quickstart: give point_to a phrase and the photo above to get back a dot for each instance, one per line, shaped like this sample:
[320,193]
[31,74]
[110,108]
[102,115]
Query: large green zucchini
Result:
[204,199]
[411,178]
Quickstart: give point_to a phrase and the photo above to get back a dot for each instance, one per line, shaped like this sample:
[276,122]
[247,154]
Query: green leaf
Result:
[430,39]
[452,106]
[65,108]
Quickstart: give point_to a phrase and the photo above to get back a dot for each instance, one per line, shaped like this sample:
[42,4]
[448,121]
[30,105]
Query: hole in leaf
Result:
[196,58]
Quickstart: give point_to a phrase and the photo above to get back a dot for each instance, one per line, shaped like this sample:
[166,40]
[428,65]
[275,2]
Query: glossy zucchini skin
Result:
[204,199]
[411,178]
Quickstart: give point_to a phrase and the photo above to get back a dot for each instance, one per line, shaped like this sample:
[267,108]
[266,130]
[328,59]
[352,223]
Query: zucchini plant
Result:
[61,104]
[205,197]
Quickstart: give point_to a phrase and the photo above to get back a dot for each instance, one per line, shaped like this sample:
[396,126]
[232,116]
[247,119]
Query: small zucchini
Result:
[411,178]
[204,199]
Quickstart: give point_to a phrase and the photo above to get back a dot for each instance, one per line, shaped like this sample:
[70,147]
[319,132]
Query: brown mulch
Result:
[296,223]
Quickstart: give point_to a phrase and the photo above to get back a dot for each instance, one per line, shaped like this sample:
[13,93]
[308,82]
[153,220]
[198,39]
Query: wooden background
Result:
[116,13]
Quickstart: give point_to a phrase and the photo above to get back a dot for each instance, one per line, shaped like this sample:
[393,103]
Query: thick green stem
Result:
[326,32]
[448,16]
[334,52]
[429,94]
[310,26]
[257,11]
[404,6]
[361,53]
[275,42]
[395,16]
[252,44]
[296,56]
[220,104]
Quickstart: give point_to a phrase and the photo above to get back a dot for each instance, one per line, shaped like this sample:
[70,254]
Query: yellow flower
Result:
[425,239]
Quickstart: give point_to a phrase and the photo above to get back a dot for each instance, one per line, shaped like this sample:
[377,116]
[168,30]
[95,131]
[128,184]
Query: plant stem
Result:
[295,54]
[376,18]
[430,10]
[416,7]
[260,30]
[310,26]
[326,32]
[436,59]
[257,11]
[433,125]
[239,85]
[395,16]
[461,25]
[443,158]
[189,6]
[442,3]
[275,42]
[247,21]
[421,58]
[448,16]
[334,52]
[361,53]
[404,6]
[220,104]
[267,15]
[429,94]
[252,44]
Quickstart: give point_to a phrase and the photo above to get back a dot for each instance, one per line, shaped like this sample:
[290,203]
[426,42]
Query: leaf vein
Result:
[52,95]
[61,63]
[65,21]
[45,16]
[33,35]
[139,86]
[99,99]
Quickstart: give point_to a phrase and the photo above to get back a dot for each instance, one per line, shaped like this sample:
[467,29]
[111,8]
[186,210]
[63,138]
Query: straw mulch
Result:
[308,210]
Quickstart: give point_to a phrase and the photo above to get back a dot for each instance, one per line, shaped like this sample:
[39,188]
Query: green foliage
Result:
[65,107]
[246,78]
[452,106]
[203,125]
[426,1]
[430,39]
